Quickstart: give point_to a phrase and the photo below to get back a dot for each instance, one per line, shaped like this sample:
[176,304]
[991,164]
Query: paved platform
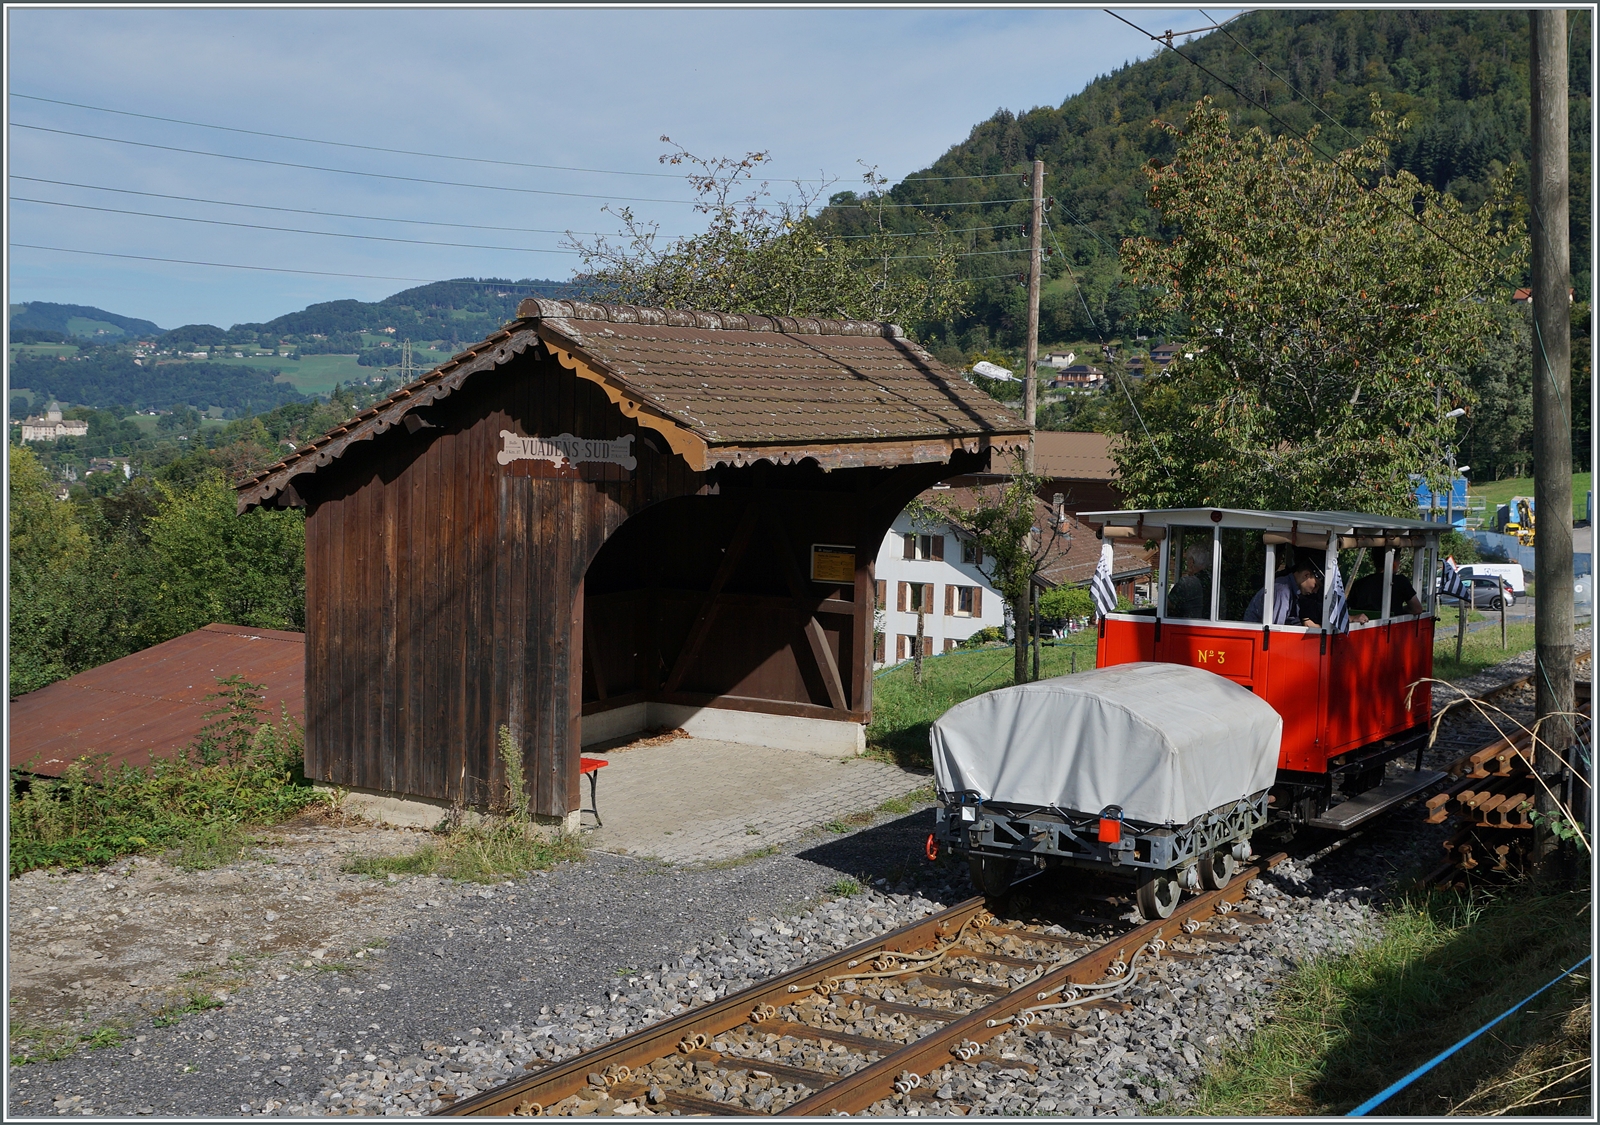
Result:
[696,799]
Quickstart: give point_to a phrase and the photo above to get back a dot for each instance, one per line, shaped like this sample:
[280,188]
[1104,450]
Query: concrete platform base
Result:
[697,799]
[402,810]
[779,732]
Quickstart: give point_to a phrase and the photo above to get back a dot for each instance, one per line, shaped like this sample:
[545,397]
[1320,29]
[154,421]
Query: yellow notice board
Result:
[831,562]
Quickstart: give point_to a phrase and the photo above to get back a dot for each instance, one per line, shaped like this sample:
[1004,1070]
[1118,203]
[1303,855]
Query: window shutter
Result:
[877,648]
[882,586]
[927,597]
[949,644]
[949,601]
[937,543]
[977,601]
[927,646]
[911,547]
[905,597]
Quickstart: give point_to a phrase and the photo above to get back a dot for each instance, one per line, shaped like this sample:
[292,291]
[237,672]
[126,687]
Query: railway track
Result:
[932,994]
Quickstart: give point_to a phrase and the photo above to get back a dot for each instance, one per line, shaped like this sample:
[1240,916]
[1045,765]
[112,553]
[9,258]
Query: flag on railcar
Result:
[1101,586]
[1339,614]
[1451,583]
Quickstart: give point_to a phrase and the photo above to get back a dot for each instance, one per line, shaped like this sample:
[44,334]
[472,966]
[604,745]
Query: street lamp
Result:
[1450,497]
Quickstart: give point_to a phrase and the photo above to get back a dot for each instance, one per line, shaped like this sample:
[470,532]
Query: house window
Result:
[915,597]
[971,553]
[906,646]
[963,601]
[924,548]
[949,644]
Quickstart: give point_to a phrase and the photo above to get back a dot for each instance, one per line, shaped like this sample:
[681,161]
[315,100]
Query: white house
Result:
[930,567]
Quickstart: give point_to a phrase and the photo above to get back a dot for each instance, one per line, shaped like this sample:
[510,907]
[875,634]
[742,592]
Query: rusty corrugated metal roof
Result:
[153,702]
[730,388]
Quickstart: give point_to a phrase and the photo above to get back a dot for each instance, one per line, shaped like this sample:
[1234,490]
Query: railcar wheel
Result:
[1216,870]
[991,875]
[1158,894]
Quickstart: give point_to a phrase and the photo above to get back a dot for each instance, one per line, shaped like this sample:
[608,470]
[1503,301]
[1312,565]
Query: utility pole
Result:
[1030,391]
[1552,399]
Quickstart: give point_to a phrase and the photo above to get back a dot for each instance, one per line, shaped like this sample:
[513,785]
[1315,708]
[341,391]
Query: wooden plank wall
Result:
[444,591]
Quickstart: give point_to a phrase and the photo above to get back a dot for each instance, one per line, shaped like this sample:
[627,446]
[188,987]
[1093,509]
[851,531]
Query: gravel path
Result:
[457,988]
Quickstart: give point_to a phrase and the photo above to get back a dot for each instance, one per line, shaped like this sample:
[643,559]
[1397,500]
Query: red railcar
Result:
[1346,697]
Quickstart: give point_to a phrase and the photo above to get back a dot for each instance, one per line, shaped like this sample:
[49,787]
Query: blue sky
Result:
[596,89]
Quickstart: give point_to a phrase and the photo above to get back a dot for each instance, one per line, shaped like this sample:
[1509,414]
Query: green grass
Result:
[903,710]
[485,852]
[195,1001]
[244,771]
[844,888]
[1480,650]
[1501,491]
[484,849]
[1444,966]
[32,1043]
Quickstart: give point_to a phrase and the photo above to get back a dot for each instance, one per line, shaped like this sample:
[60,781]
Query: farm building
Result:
[604,519]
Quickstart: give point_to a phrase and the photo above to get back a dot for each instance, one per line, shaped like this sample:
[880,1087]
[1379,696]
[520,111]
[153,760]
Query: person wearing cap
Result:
[1292,596]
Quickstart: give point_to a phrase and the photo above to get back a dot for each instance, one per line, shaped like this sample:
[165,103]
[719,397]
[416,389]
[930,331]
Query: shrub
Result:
[245,771]
[988,635]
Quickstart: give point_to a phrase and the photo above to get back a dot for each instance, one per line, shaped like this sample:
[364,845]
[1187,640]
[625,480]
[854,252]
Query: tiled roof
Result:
[153,703]
[737,388]
[755,380]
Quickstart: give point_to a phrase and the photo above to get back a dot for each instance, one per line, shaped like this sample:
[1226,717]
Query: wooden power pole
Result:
[1552,391]
[1030,365]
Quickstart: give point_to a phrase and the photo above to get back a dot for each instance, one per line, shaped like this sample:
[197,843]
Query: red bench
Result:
[590,767]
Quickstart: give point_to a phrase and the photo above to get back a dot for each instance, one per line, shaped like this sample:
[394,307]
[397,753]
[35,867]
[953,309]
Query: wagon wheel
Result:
[990,875]
[1158,894]
[1216,869]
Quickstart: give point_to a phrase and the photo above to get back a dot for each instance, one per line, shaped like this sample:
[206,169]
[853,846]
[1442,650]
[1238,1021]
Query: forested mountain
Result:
[450,313]
[1458,80]
[78,320]
[104,377]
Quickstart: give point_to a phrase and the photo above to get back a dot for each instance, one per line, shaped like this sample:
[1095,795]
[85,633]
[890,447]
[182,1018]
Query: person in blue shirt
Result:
[1292,595]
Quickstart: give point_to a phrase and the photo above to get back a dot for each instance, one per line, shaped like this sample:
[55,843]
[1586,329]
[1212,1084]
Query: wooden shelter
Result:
[604,515]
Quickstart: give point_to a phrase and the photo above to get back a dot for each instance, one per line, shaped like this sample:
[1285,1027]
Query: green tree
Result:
[207,563]
[1006,523]
[1333,304]
[764,255]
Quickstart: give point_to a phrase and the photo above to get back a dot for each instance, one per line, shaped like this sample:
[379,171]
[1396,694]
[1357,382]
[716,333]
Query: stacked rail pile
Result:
[1495,792]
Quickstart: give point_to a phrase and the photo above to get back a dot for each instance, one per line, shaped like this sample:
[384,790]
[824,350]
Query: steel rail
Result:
[876,1080]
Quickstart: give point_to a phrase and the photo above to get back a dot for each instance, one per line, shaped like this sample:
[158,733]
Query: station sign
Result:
[567,449]
[832,562]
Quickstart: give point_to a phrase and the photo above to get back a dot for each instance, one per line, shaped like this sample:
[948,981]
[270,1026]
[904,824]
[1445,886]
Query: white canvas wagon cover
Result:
[1165,742]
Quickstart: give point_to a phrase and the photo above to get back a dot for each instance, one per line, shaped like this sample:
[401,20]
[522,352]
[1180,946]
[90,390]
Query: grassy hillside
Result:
[1501,491]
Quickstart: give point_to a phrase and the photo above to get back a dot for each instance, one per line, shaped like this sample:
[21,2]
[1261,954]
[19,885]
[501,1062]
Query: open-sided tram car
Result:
[1343,698]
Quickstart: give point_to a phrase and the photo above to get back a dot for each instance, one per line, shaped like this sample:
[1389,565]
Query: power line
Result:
[260,269]
[349,171]
[287,230]
[347,144]
[307,211]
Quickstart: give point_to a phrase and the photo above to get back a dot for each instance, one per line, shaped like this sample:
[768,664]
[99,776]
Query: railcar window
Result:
[1189,573]
[1244,561]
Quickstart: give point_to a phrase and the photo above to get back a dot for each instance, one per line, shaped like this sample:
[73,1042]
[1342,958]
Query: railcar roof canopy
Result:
[721,388]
